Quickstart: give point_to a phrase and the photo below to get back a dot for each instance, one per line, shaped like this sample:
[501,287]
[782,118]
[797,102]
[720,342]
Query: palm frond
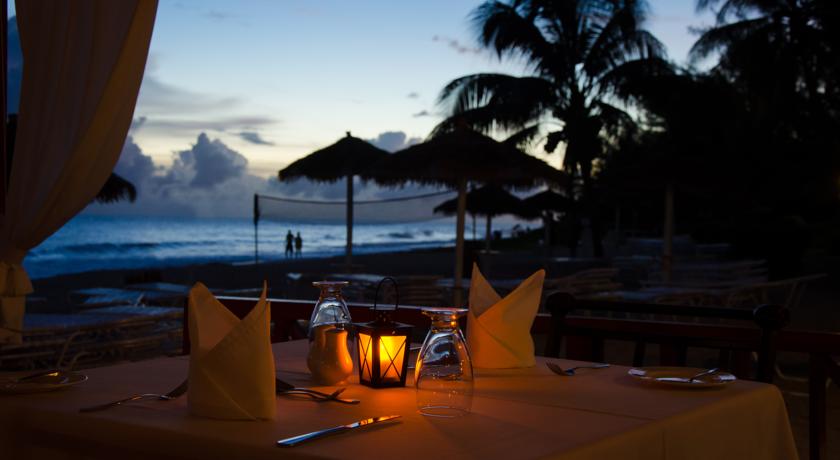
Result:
[115,189]
[525,137]
[717,38]
[506,101]
[627,79]
[501,28]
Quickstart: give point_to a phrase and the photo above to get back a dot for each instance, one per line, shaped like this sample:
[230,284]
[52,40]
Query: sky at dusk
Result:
[270,81]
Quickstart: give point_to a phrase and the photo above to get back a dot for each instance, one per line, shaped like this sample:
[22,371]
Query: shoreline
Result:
[51,293]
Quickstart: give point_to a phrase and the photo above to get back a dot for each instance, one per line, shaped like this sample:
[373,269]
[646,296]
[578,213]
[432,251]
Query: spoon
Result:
[570,372]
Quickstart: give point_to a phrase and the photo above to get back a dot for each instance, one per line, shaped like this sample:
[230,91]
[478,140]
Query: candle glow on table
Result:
[383,347]
[383,354]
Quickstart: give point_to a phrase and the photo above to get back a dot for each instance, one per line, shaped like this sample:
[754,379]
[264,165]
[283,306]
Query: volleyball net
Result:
[399,209]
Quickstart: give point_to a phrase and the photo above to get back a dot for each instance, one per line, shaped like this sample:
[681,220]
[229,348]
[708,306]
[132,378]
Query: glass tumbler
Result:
[443,375]
[330,311]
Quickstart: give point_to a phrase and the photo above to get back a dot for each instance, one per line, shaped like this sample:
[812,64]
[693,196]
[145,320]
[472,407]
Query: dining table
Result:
[524,413]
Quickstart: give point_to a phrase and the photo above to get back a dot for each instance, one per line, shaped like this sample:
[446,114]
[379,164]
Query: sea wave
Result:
[100,248]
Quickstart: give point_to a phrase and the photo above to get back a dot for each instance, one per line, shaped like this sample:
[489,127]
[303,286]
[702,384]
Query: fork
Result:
[174,394]
[570,372]
[288,388]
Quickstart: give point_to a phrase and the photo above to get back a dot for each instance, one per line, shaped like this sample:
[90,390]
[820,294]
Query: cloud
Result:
[165,109]
[413,95]
[394,140]
[160,98]
[456,45]
[133,165]
[207,180]
[210,179]
[254,138]
[136,124]
[191,126]
[208,163]
[422,113]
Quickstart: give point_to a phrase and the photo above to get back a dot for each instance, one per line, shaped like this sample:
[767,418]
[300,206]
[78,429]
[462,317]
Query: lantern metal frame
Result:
[370,354]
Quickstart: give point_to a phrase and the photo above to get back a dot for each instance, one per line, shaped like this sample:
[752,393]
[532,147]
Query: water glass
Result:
[331,310]
[443,375]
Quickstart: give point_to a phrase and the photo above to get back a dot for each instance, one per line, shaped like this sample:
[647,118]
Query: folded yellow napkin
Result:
[499,330]
[231,362]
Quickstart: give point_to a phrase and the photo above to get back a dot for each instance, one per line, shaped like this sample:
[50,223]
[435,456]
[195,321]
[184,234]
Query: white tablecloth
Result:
[526,413]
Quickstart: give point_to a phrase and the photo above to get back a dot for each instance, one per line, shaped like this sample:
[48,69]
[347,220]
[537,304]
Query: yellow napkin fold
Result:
[499,330]
[231,363]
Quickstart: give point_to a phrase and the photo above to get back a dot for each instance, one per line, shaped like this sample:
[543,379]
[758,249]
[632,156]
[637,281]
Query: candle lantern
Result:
[383,346]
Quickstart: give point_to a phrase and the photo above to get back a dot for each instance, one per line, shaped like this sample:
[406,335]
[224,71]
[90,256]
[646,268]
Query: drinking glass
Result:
[330,310]
[443,374]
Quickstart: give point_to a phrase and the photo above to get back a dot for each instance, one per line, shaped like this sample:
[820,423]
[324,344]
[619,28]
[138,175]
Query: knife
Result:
[295,440]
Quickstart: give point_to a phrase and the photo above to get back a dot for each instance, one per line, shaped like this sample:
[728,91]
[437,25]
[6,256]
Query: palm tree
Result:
[795,38]
[783,58]
[583,53]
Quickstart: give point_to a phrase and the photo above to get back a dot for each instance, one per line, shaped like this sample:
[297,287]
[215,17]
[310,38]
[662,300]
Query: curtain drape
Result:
[83,64]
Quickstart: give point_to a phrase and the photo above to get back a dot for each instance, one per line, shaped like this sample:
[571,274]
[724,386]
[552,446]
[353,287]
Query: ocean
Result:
[93,242]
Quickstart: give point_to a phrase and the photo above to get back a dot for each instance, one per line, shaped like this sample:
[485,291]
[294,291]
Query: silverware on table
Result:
[174,394]
[692,379]
[295,440]
[285,388]
[711,371]
[571,371]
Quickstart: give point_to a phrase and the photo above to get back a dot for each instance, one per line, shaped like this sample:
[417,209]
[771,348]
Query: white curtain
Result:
[83,64]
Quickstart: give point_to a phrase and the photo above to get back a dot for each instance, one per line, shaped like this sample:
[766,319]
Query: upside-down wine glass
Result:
[443,375]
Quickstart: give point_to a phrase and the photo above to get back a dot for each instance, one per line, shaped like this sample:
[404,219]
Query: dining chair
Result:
[734,334]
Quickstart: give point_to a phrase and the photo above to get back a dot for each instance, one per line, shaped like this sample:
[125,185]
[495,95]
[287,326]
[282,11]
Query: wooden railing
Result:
[822,347]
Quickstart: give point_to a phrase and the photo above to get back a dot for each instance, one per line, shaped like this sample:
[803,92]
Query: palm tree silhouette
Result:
[780,50]
[584,55]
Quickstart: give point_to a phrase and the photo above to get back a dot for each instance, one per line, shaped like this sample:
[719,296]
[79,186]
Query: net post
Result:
[256,224]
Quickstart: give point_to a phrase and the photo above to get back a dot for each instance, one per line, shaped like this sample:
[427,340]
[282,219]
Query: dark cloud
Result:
[133,164]
[456,45]
[136,124]
[394,140]
[160,98]
[207,180]
[212,180]
[422,113]
[193,125]
[254,138]
[413,95]
[208,163]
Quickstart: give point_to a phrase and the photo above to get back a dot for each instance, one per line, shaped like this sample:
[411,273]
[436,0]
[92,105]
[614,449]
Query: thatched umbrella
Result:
[489,201]
[346,158]
[545,202]
[457,157]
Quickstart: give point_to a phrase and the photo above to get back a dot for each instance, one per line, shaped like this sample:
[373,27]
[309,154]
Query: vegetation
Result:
[585,55]
[751,142]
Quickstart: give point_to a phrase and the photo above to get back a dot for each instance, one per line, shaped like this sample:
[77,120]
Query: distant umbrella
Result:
[546,202]
[116,189]
[457,157]
[342,160]
[549,201]
[489,201]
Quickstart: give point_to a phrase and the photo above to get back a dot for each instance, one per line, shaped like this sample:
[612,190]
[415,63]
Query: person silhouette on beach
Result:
[298,244]
[289,241]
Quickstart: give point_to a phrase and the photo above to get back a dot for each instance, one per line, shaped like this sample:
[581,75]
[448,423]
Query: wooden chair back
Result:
[719,331]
